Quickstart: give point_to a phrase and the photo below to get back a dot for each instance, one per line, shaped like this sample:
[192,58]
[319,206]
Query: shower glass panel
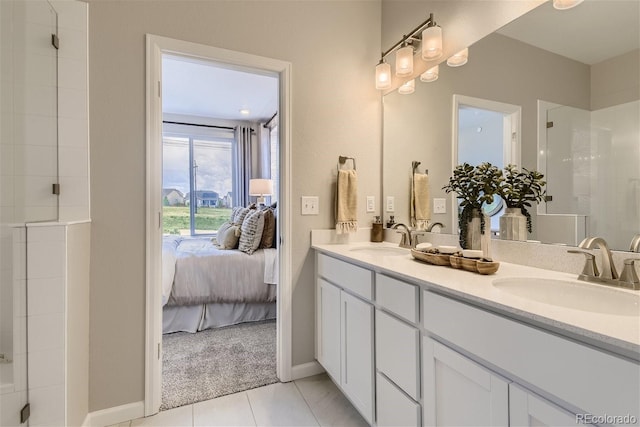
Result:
[28,170]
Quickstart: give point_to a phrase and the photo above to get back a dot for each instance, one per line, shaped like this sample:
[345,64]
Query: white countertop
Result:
[616,333]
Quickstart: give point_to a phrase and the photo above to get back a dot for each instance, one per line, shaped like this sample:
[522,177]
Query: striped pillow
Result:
[251,231]
[269,231]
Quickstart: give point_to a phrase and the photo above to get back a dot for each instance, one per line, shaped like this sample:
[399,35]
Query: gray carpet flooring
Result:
[216,362]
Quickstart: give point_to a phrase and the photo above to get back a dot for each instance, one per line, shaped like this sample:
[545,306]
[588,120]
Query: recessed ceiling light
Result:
[245,111]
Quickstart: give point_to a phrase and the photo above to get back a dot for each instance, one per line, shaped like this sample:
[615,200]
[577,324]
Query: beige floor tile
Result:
[327,402]
[280,404]
[231,411]
[125,424]
[177,417]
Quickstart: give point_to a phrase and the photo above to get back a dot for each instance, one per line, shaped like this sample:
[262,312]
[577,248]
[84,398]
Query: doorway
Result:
[157,48]
[485,131]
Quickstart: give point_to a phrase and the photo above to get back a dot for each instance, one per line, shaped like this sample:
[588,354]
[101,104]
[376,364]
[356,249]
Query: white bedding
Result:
[195,271]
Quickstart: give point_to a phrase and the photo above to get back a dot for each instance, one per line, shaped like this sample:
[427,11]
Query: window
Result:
[197,179]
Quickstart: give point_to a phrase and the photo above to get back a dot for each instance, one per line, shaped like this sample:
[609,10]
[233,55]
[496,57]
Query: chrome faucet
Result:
[608,268]
[406,241]
[635,243]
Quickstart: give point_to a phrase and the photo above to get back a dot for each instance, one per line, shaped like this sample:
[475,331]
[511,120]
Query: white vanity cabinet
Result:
[345,329]
[528,409]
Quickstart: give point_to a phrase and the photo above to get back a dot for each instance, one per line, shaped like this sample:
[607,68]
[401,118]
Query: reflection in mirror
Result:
[535,64]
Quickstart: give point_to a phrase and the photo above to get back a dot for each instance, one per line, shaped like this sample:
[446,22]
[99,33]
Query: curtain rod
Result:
[200,125]
[268,123]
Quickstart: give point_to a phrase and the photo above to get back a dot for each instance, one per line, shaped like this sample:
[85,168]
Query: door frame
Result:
[156,46]
[512,134]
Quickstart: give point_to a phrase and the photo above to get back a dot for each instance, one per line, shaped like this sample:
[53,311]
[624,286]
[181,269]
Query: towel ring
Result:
[343,159]
[414,168]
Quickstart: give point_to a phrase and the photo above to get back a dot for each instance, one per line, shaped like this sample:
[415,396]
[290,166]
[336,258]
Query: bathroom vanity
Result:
[416,344]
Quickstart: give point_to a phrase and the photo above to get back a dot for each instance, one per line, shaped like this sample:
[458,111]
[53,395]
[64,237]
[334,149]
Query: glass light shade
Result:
[566,4]
[408,87]
[459,58]
[383,76]
[431,75]
[432,43]
[404,61]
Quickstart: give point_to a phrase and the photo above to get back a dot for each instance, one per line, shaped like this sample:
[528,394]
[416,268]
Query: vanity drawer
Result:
[397,346]
[348,276]
[393,407]
[398,297]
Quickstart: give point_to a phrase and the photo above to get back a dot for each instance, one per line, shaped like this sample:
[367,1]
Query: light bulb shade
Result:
[432,43]
[407,87]
[260,187]
[459,58]
[431,75]
[566,4]
[383,76]
[404,61]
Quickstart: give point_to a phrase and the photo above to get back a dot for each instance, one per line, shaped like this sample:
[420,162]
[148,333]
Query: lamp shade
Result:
[566,4]
[404,61]
[407,87]
[383,76]
[432,43]
[260,187]
[431,75]
[459,58]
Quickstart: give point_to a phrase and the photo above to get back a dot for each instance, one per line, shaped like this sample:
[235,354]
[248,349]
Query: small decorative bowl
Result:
[448,250]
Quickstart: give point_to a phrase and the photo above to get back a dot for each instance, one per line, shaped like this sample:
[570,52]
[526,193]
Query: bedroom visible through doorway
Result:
[220,187]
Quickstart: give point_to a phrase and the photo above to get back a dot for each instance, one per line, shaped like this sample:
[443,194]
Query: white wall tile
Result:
[74,213]
[46,368]
[74,191]
[20,371]
[33,69]
[35,38]
[9,416]
[71,14]
[36,191]
[19,261]
[33,12]
[74,161]
[37,100]
[34,160]
[72,73]
[48,233]
[73,43]
[20,334]
[19,297]
[6,100]
[46,259]
[46,296]
[35,130]
[72,103]
[6,123]
[46,331]
[6,160]
[73,132]
[7,191]
[47,406]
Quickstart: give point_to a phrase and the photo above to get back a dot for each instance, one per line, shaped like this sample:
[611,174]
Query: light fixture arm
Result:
[430,22]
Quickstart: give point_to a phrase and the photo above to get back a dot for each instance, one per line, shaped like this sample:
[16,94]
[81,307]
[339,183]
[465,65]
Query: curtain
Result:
[243,164]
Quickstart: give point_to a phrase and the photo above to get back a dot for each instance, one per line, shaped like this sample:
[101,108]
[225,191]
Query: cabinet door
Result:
[459,392]
[357,353]
[329,328]
[529,409]
[393,407]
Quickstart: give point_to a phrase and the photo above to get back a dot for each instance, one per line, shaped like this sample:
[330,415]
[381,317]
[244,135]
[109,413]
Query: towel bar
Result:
[343,159]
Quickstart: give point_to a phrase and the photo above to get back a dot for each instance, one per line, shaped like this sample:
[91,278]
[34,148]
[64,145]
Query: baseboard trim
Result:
[115,415]
[306,370]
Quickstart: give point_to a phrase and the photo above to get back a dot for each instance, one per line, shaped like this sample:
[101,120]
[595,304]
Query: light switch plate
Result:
[310,205]
[439,206]
[391,204]
[371,203]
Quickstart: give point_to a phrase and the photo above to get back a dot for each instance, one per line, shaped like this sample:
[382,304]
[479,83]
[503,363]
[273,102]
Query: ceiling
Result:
[590,33]
[206,89]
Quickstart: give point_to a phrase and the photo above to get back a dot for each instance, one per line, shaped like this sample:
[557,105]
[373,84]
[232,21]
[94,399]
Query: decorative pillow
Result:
[251,231]
[239,215]
[228,236]
[269,231]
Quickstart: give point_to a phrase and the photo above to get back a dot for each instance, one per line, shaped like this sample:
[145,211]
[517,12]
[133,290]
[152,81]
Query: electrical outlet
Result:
[391,204]
[371,203]
[439,206]
[310,205]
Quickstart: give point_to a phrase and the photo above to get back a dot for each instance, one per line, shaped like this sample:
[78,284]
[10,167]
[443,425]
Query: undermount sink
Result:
[381,250]
[572,294]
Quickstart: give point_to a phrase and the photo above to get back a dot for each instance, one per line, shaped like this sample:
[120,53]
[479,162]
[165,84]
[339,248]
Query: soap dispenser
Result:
[391,221]
[377,232]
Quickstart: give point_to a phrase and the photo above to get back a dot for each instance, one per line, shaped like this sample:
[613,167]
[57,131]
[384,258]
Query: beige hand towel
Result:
[420,205]
[347,202]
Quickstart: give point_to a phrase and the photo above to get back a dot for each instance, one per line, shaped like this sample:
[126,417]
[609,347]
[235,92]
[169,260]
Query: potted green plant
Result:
[519,190]
[474,186]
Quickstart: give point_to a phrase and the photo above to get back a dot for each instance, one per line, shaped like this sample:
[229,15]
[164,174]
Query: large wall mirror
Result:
[575,75]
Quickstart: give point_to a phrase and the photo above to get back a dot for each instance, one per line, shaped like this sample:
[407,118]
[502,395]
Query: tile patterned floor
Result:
[313,401]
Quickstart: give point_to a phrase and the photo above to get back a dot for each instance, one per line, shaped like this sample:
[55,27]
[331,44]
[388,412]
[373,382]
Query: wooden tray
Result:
[456,261]
[431,258]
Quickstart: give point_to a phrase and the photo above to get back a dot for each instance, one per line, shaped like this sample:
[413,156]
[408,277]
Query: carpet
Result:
[216,362]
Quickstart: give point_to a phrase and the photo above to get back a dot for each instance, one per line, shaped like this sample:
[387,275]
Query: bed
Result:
[206,287]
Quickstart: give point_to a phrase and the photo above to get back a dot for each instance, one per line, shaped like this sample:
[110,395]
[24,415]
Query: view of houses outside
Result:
[210,174]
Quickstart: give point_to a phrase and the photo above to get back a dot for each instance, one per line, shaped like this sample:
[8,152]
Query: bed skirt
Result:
[194,318]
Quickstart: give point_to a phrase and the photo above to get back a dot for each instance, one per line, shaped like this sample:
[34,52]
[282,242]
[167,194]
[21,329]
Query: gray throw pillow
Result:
[228,236]
[251,231]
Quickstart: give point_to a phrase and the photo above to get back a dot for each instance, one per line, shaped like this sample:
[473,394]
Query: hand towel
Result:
[347,202]
[420,205]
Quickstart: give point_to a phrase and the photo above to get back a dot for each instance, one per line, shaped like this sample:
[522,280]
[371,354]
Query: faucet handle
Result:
[590,268]
[629,277]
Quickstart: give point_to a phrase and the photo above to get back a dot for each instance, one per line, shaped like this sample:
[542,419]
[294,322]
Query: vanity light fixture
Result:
[429,34]
[408,87]
[431,75]
[565,4]
[459,58]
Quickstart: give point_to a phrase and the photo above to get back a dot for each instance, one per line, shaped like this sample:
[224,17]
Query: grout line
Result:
[307,403]
[255,422]
[193,415]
